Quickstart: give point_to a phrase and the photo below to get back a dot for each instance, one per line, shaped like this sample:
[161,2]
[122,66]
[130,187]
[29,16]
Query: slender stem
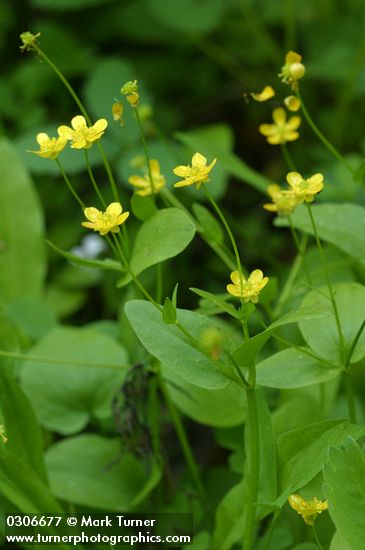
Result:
[354,344]
[350,396]
[270,530]
[294,270]
[317,538]
[43,359]
[287,157]
[324,140]
[70,186]
[328,280]
[218,249]
[294,235]
[184,441]
[144,143]
[227,228]
[252,473]
[246,333]
[85,114]
[306,351]
[93,181]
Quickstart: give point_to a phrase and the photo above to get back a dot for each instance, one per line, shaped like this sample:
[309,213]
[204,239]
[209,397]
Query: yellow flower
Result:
[282,130]
[130,90]
[293,69]
[305,190]
[283,202]
[103,222]
[29,41]
[146,187]
[267,93]
[80,134]
[308,509]
[247,289]
[292,103]
[196,173]
[2,434]
[49,148]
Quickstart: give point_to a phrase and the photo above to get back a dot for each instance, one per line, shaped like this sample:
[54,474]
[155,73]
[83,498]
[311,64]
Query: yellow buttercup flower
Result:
[117,112]
[305,190]
[283,202]
[144,184]
[81,135]
[267,93]
[292,103]
[2,434]
[308,509]
[282,130]
[49,148]
[103,222]
[247,289]
[196,173]
[293,69]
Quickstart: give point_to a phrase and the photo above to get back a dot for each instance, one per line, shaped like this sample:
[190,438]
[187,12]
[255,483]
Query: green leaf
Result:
[217,142]
[221,408]
[163,236]
[169,312]
[24,435]
[172,347]
[91,470]
[188,16]
[228,527]
[322,335]
[67,5]
[143,208]
[291,368]
[303,451]
[345,490]
[338,543]
[216,300]
[65,396]
[211,228]
[22,257]
[246,353]
[342,225]
[107,263]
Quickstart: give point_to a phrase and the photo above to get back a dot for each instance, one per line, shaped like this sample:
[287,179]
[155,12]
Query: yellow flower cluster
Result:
[247,289]
[308,509]
[143,183]
[293,70]
[196,173]
[105,222]
[300,190]
[130,90]
[80,135]
[282,130]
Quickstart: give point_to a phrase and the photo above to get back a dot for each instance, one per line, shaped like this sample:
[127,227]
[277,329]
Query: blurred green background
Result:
[194,60]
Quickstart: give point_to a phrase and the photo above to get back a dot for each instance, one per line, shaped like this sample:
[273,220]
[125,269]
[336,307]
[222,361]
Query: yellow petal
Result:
[316,178]
[199,160]
[273,190]
[182,171]
[291,136]
[256,276]
[293,57]
[234,290]
[211,165]
[270,207]
[100,125]
[184,183]
[292,103]
[155,167]
[114,209]
[267,129]
[293,123]
[279,116]
[65,132]
[275,139]
[92,213]
[294,179]
[267,93]
[236,278]
[138,181]
[78,122]
[42,138]
[121,219]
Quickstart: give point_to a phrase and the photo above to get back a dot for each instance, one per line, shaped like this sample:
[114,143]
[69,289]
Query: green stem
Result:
[350,396]
[69,185]
[324,140]
[294,270]
[184,442]
[328,280]
[317,538]
[354,344]
[227,228]
[85,114]
[93,181]
[289,161]
[252,473]
[144,143]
